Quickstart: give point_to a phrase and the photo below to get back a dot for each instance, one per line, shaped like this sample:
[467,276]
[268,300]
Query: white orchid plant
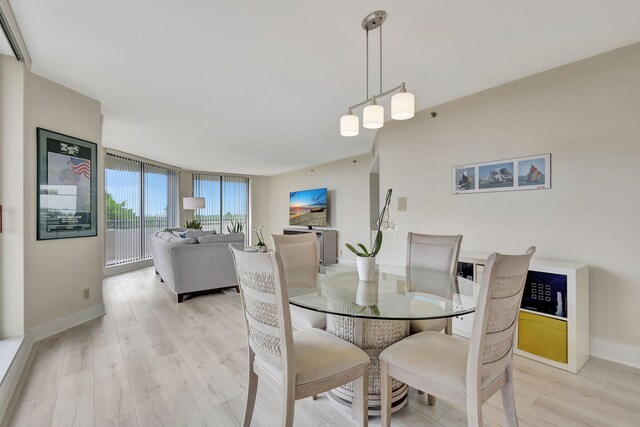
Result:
[260,236]
[383,224]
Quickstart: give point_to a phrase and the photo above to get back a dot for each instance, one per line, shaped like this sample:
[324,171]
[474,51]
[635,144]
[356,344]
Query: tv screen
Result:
[308,207]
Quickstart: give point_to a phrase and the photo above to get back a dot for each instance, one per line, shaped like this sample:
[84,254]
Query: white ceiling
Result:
[258,87]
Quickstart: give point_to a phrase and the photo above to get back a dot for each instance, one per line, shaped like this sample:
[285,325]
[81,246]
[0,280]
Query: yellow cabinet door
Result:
[543,336]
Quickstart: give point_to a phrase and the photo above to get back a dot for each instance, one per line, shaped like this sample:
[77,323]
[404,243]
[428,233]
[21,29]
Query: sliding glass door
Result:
[208,186]
[226,201]
[160,201]
[141,199]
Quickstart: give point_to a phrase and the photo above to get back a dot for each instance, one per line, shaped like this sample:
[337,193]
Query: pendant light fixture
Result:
[373,115]
[349,124]
[402,103]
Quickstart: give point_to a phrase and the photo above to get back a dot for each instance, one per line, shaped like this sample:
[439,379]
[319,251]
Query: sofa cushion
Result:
[222,238]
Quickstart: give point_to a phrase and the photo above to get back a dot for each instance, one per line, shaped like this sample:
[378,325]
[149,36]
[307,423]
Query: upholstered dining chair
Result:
[303,363]
[438,253]
[299,254]
[460,371]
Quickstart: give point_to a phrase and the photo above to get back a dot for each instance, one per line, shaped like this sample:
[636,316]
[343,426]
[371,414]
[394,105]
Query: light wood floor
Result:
[152,362]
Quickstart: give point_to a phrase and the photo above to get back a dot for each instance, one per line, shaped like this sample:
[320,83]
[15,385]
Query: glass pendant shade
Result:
[402,106]
[349,125]
[373,116]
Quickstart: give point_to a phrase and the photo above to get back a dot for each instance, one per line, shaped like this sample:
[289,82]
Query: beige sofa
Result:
[197,263]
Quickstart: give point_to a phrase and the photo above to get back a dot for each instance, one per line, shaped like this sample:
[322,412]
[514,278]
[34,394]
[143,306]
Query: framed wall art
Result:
[67,186]
[521,173]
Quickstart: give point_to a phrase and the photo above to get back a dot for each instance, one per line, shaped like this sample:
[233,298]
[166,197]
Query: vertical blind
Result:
[208,186]
[141,198]
[226,200]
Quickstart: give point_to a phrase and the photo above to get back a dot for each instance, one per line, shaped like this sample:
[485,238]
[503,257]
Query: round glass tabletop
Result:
[396,293]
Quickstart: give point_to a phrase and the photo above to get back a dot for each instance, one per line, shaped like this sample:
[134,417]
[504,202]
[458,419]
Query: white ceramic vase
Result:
[366,267]
[367,293]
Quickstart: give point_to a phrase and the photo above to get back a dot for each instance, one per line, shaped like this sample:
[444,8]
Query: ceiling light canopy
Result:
[402,103]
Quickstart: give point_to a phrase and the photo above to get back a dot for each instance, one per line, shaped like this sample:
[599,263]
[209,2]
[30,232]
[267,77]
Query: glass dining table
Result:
[376,314]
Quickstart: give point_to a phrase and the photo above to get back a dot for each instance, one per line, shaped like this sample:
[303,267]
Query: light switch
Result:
[402,204]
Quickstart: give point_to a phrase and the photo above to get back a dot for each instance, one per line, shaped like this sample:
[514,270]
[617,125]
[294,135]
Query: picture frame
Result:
[515,174]
[67,186]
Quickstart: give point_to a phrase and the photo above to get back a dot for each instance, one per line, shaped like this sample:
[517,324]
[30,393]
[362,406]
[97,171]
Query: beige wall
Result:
[587,116]
[58,270]
[260,194]
[347,183]
[11,197]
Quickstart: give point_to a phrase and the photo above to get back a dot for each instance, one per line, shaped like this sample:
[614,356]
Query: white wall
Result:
[56,271]
[347,182]
[586,115]
[11,197]
[260,194]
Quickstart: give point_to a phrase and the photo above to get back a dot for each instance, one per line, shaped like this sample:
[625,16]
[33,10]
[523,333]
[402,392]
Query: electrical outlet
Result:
[85,293]
[402,204]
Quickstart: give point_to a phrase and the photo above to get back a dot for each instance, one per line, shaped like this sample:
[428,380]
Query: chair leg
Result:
[449,328]
[508,399]
[288,406]
[252,388]
[385,391]
[474,411]
[360,405]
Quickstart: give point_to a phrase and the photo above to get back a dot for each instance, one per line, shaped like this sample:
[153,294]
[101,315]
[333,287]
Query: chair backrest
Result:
[438,253]
[496,316]
[299,254]
[266,307]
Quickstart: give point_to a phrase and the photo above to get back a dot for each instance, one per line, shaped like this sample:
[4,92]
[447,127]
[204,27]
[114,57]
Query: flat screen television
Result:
[308,208]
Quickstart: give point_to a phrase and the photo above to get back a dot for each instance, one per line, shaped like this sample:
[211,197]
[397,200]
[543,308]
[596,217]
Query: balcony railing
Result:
[123,242]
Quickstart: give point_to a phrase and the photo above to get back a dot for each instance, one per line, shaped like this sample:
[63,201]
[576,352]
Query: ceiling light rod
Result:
[402,103]
[400,89]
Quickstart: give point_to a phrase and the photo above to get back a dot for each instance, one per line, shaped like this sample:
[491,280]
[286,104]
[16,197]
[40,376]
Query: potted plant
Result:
[366,259]
[235,227]
[262,246]
[194,225]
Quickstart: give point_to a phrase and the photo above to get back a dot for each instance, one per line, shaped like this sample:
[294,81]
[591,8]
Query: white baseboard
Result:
[615,352]
[14,379]
[124,268]
[63,323]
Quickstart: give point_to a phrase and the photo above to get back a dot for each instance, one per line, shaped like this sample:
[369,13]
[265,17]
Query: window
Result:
[141,198]
[226,200]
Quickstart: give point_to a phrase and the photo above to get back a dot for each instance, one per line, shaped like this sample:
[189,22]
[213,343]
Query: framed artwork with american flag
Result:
[67,186]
